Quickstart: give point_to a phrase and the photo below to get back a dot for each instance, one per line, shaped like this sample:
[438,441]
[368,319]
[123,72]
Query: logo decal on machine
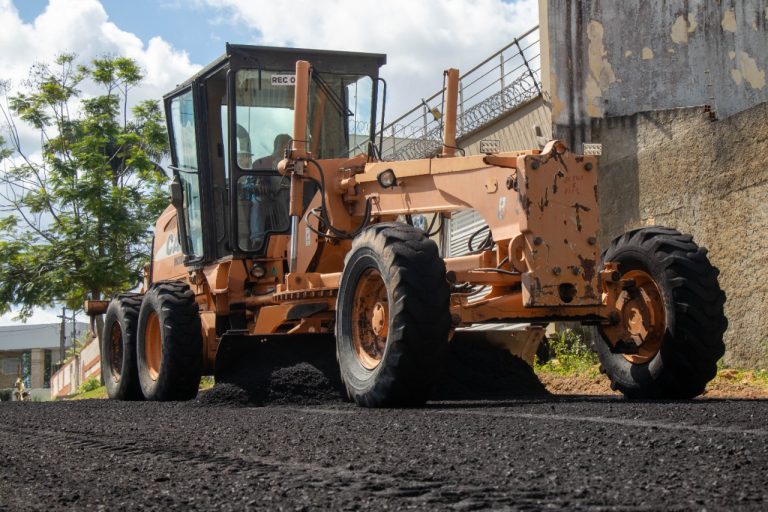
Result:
[283,80]
[170,247]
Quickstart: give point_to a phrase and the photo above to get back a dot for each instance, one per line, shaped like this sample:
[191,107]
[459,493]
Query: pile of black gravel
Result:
[471,370]
[224,394]
[300,384]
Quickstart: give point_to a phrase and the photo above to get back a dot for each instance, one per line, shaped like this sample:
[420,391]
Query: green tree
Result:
[76,215]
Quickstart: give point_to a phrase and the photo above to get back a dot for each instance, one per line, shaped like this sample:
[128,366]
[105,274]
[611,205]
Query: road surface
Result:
[517,454]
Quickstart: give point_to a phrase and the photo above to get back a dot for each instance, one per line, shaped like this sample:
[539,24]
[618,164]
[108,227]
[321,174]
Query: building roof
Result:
[46,336]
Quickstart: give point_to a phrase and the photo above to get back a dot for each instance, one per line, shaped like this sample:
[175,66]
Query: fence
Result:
[79,369]
[499,84]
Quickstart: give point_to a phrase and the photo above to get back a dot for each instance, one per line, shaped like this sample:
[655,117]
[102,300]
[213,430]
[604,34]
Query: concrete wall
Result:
[610,59]
[9,364]
[514,131]
[710,179]
[68,379]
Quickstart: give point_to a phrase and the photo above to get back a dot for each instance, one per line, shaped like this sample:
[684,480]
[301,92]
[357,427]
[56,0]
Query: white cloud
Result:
[421,38]
[41,316]
[83,27]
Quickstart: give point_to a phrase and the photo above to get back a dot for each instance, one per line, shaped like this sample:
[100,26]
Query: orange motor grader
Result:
[282,229]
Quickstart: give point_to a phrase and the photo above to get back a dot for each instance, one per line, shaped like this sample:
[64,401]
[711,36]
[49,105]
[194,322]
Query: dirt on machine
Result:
[289,240]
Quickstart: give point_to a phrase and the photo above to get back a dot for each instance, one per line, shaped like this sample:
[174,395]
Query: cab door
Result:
[180,109]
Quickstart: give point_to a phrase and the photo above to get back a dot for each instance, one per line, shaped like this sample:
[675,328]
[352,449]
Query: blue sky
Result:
[192,27]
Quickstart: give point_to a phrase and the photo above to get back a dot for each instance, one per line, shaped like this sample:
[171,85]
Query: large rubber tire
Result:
[418,318]
[693,310]
[169,316]
[118,348]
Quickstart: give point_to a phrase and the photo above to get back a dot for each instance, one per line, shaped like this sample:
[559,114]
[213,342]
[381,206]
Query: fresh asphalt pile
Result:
[299,384]
[470,371]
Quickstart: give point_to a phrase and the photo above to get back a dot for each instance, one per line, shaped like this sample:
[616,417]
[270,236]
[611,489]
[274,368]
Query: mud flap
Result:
[249,361]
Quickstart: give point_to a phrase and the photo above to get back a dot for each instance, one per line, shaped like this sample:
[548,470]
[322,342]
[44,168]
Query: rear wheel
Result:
[118,348]
[169,348]
[392,318]
[669,334]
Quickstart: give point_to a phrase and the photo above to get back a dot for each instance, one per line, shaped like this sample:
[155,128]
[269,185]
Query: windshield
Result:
[338,126]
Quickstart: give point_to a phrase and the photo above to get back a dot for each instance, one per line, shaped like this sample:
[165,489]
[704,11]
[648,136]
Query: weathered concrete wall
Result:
[608,59]
[515,131]
[676,168]
[10,362]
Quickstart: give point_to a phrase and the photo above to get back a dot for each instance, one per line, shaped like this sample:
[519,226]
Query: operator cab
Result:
[230,125]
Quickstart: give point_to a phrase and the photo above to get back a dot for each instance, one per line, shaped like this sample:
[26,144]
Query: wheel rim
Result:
[115,352]
[370,319]
[153,347]
[642,318]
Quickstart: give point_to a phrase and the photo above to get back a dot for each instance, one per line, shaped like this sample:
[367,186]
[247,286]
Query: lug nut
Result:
[556,271]
[576,270]
[588,166]
[615,276]
[535,164]
[591,240]
[537,240]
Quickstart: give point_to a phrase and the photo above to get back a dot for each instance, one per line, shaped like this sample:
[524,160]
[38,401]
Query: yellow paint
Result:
[736,75]
[557,105]
[680,30]
[729,21]
[647,54]
[752,74]
[683,26]
[692,23]
[601,74]
[628,54]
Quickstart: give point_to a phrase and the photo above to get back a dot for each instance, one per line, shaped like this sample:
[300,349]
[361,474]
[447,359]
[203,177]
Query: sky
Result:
[172,39]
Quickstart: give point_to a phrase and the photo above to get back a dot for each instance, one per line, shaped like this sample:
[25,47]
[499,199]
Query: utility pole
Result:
[62,336]
[74,331]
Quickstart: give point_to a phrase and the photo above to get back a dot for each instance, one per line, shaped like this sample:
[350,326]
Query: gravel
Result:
[513,454]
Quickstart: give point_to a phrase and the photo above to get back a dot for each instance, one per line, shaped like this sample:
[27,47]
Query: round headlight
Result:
[258,271]
[387,178]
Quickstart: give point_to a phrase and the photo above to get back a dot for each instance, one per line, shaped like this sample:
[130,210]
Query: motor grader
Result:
[287,229]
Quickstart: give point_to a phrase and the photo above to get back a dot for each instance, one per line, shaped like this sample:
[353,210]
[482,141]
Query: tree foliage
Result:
[76,211]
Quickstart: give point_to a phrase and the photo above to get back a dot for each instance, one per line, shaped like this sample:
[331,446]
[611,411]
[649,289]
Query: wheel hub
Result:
[641,325]
[370,319]
[153,346]
[116,352]
[379,319]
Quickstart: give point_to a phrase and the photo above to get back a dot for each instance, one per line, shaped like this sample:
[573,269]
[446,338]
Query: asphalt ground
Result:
[542,452]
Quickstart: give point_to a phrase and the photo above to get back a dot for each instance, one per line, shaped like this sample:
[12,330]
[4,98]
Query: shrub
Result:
[567,352]
[89,385]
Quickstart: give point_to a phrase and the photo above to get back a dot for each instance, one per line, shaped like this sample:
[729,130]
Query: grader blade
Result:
[251,362]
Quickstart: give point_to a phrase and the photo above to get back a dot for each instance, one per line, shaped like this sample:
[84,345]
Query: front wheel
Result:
[169,348]
[669,331]
[392,316]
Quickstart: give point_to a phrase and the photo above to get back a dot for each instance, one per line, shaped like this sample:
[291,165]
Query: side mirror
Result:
[177,197]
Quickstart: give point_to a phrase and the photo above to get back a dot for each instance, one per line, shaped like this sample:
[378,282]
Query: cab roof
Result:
[277,58]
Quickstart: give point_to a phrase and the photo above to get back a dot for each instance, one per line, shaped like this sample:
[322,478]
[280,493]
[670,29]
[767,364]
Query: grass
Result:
[89,390]
[99,392]
[568,355]
[754,378]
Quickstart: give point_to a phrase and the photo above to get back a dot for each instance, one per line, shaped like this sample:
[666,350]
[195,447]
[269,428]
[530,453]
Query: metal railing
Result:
[498,85]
